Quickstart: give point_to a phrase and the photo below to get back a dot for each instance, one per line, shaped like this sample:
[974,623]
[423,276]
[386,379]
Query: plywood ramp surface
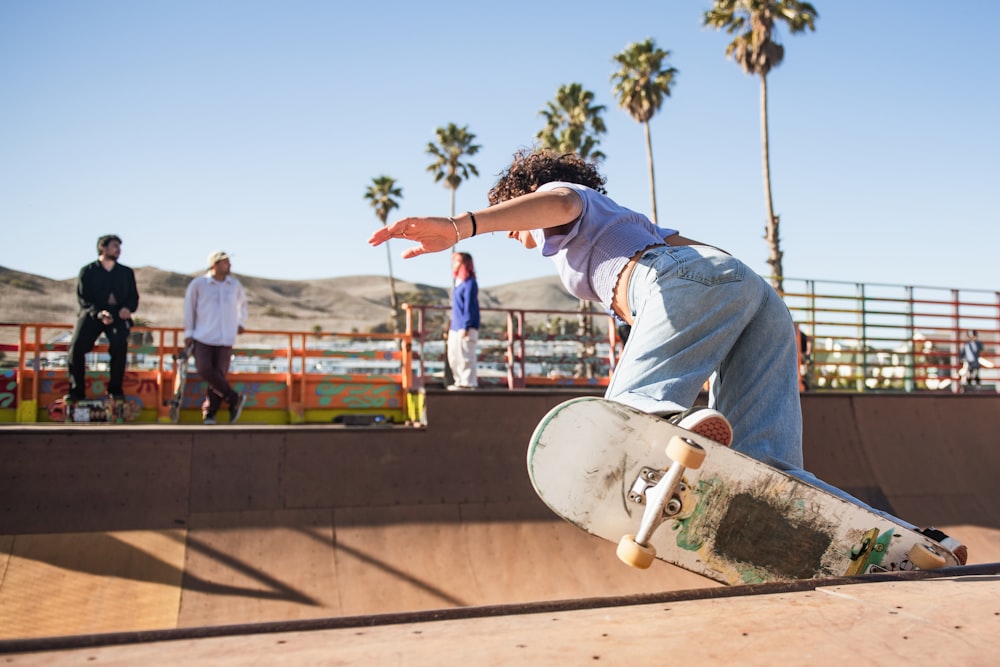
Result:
[930,460]
[79,583]
[298,564]
[241,567]
[148,527]
[899,622]
[244,567]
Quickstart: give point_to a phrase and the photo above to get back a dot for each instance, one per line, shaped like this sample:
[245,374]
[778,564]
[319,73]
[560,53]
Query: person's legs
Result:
[454,355]
[756,385]
[680,332]
[469,375]
[461,357]
[699,312]
[117,335]
[84,336]
[696,311]
[757,388]
[212,362]
[223,357]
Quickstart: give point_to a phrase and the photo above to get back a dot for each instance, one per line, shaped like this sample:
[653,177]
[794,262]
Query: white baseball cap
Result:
[217,257]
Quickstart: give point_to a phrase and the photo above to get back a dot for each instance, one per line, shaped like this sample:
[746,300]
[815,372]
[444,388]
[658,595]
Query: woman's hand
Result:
[430,235]
[539,210]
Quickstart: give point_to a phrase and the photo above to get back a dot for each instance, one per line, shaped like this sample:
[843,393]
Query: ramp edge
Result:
[461,613]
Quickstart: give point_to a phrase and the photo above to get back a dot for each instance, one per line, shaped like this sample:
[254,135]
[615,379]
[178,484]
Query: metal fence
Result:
[874,337]
[858,337]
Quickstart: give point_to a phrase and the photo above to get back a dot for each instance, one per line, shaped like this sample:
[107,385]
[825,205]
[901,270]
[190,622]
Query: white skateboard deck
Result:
[733,519]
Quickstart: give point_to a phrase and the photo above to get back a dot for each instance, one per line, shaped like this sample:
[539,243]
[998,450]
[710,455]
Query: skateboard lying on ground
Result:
[106,409]
[180,378]
[660,491]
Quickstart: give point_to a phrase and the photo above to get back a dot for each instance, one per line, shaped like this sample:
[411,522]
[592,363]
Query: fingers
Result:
[379,237]
[414,251]
[396,230]
[430,235]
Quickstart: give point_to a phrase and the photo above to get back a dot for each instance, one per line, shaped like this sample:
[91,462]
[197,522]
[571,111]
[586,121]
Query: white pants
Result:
[462,356]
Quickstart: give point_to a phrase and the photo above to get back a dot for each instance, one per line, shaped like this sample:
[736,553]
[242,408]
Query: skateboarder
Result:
[696,312]
[215,310]
[107,294]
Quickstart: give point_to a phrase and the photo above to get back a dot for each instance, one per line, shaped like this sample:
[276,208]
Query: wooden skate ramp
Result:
[929,459]
[909,616]
[141,528]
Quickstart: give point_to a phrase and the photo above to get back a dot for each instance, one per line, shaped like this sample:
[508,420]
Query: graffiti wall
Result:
[150,391]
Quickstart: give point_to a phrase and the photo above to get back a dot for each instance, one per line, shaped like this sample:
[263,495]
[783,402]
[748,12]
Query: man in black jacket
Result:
[108,296]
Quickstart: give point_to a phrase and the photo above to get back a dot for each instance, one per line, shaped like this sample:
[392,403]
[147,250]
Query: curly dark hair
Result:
[531,169]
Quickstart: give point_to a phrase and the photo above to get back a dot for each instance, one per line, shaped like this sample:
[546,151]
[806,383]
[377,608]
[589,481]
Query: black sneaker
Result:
[235,410]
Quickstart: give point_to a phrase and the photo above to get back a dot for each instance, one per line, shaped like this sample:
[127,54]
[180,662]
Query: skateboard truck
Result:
[649,478]
[656,492]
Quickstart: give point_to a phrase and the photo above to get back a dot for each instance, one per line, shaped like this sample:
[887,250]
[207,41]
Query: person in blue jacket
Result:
[463,332]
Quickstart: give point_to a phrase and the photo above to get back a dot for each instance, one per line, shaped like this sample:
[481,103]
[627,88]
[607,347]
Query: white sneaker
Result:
[706,422]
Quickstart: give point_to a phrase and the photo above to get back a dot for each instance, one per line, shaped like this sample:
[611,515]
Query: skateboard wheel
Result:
[632,553]
[923,557]
[688,454]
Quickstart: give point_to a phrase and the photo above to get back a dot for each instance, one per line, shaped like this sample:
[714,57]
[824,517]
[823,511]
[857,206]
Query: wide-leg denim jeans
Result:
[699,313]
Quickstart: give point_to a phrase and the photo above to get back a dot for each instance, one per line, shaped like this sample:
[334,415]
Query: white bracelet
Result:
[458,237]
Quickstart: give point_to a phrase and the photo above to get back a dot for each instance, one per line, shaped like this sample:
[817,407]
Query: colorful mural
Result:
[325,396]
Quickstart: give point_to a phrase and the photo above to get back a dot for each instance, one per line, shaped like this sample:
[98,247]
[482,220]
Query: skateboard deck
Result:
[105,409]
[180,378]
[604,467]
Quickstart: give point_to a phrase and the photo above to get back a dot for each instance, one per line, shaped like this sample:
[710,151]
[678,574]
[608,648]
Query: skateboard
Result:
[180,378]
[106,409]
[663,492]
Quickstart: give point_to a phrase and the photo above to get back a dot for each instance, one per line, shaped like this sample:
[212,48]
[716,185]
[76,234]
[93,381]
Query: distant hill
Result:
[335,304]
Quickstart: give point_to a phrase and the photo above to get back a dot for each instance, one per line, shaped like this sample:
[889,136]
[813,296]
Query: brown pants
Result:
[212,362]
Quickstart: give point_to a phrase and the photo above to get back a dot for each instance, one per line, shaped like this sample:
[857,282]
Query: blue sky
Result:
[255,127]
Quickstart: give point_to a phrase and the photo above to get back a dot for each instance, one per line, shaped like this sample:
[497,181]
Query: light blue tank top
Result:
[593,253]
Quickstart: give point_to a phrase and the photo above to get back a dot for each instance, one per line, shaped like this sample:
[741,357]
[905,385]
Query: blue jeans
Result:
[700,314]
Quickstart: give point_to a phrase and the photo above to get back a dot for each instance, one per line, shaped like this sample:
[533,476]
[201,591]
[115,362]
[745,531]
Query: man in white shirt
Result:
[215,310]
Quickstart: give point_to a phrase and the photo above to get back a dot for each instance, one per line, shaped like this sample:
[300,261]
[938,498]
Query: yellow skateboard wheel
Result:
[688,454]
[632,553]
[922,556]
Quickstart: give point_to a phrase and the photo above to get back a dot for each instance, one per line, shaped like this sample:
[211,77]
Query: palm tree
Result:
[382,194]
[754,49]
[453,143]
[641,84]
[573,123]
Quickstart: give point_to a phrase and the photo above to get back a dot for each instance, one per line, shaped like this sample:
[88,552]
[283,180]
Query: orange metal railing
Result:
[291,376]
[856,337]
